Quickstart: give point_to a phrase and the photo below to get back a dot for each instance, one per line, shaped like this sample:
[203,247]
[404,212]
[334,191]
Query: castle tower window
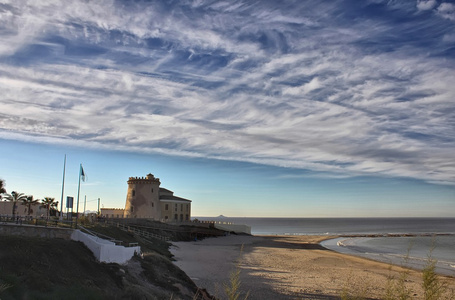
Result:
[134,193]
[132,209]
[166,207]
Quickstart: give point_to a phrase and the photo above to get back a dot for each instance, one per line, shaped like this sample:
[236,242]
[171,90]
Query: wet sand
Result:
[287,267]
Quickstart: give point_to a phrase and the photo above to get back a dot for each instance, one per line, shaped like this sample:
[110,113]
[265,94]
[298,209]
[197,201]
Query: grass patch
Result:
[35,266]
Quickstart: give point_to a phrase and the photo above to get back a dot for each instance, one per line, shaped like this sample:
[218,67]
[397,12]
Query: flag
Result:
[82,174]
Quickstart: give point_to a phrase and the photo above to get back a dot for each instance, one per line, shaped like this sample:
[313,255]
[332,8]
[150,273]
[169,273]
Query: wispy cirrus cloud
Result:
[330,87]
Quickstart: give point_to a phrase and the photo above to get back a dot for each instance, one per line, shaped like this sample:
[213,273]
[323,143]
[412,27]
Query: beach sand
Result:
[287,267]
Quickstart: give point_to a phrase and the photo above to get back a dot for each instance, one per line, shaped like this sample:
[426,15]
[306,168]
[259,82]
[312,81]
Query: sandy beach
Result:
[287,267]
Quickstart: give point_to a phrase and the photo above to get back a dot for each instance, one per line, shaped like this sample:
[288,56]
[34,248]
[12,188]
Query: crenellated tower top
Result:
[145,180]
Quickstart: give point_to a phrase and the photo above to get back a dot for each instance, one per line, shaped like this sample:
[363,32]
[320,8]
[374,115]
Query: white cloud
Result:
[327,104]
[447,10]
[426,4]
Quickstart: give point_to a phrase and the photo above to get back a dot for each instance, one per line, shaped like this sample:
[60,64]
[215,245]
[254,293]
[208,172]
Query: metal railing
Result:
[29,220]
[142,233]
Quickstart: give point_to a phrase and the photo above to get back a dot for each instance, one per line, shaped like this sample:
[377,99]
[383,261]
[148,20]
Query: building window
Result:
[181,217]
[187,208]
[176,217]
[181,207]
[152,190]
[165,217]
[166,207]
[134,193]
[153,204]
[186,217]
[176,208]
[132,208]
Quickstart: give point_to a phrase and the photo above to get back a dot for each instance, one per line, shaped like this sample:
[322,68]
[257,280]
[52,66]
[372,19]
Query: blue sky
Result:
[248,108]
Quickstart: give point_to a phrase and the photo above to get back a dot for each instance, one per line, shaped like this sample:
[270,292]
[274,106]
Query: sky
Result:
[247,108]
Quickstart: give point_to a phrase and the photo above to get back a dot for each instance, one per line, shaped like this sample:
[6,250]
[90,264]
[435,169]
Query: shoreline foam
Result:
[413,253]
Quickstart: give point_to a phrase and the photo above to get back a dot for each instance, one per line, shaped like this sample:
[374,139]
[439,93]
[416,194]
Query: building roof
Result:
[173,198]
[166,190]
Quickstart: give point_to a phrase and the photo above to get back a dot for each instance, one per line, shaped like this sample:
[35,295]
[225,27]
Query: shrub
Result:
[232,289]
[433,288]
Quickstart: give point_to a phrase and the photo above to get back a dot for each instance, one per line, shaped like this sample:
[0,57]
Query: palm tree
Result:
[15,197]
[48,203]
[28,202]
[54,209]
[2,188]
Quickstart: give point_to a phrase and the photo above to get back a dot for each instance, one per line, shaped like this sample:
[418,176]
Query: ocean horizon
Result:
[341,226]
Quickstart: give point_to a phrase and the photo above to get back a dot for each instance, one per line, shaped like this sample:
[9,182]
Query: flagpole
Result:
[78,192]
[63,190]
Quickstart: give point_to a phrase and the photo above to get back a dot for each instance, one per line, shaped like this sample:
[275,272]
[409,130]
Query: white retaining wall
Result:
[104,250]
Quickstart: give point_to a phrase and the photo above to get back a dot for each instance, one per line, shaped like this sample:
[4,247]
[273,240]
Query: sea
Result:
[409,242]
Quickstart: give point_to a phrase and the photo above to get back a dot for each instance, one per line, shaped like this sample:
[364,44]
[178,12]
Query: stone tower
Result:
[143,198]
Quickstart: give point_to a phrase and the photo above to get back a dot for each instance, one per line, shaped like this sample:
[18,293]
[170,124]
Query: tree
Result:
[15,197]
[2,188]
[28,202]
[54,209]
[48,203]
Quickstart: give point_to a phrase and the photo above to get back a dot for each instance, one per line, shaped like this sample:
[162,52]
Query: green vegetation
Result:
[232,289]
[15,197]
[2,188]
[35,268]
[396,288]
[38,268]
[433,288]
[29,202]
[49,203]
